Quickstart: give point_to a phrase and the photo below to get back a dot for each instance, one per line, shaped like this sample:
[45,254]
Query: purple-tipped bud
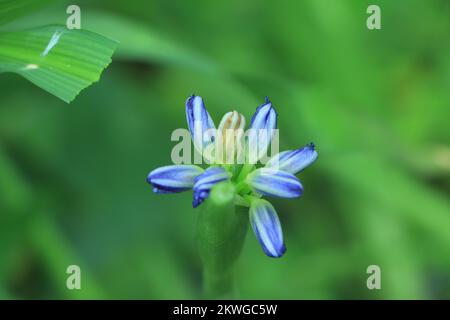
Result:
[267,228]
[172,179]
[293,161]
[200,123]
[262,128]
[274,183]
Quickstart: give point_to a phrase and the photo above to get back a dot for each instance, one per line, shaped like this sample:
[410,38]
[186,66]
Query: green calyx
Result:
[238,175]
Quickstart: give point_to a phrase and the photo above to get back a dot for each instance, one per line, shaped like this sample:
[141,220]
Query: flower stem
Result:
[221,233]
[246,169]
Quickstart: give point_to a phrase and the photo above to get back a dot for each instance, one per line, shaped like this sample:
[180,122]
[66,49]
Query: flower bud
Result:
[229,145]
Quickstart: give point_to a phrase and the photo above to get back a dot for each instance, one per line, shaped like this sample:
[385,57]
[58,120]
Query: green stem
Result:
[221,232]
[246,169]
[219,286]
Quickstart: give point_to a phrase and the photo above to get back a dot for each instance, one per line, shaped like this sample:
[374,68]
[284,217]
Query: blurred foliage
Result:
[11,9]
[375,103]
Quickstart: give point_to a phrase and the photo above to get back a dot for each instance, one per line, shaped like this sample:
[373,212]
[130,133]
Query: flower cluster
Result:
[276,178]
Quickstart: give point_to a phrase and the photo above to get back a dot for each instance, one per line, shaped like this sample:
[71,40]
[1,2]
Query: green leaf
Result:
[11,9]
[60,61]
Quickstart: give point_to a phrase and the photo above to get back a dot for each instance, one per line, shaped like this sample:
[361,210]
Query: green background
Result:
[376,104]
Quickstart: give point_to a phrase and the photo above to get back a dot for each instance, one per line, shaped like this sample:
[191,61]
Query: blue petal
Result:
[267,228]
[275,183]
[171,179]
[294,161]
[204,183]
[263,126]
[200,122]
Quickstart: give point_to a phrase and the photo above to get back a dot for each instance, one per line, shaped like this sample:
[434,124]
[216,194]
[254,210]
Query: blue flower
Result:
[179,178]
[277,178]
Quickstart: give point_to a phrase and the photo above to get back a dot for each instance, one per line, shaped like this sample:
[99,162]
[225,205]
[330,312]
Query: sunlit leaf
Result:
[60,61]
